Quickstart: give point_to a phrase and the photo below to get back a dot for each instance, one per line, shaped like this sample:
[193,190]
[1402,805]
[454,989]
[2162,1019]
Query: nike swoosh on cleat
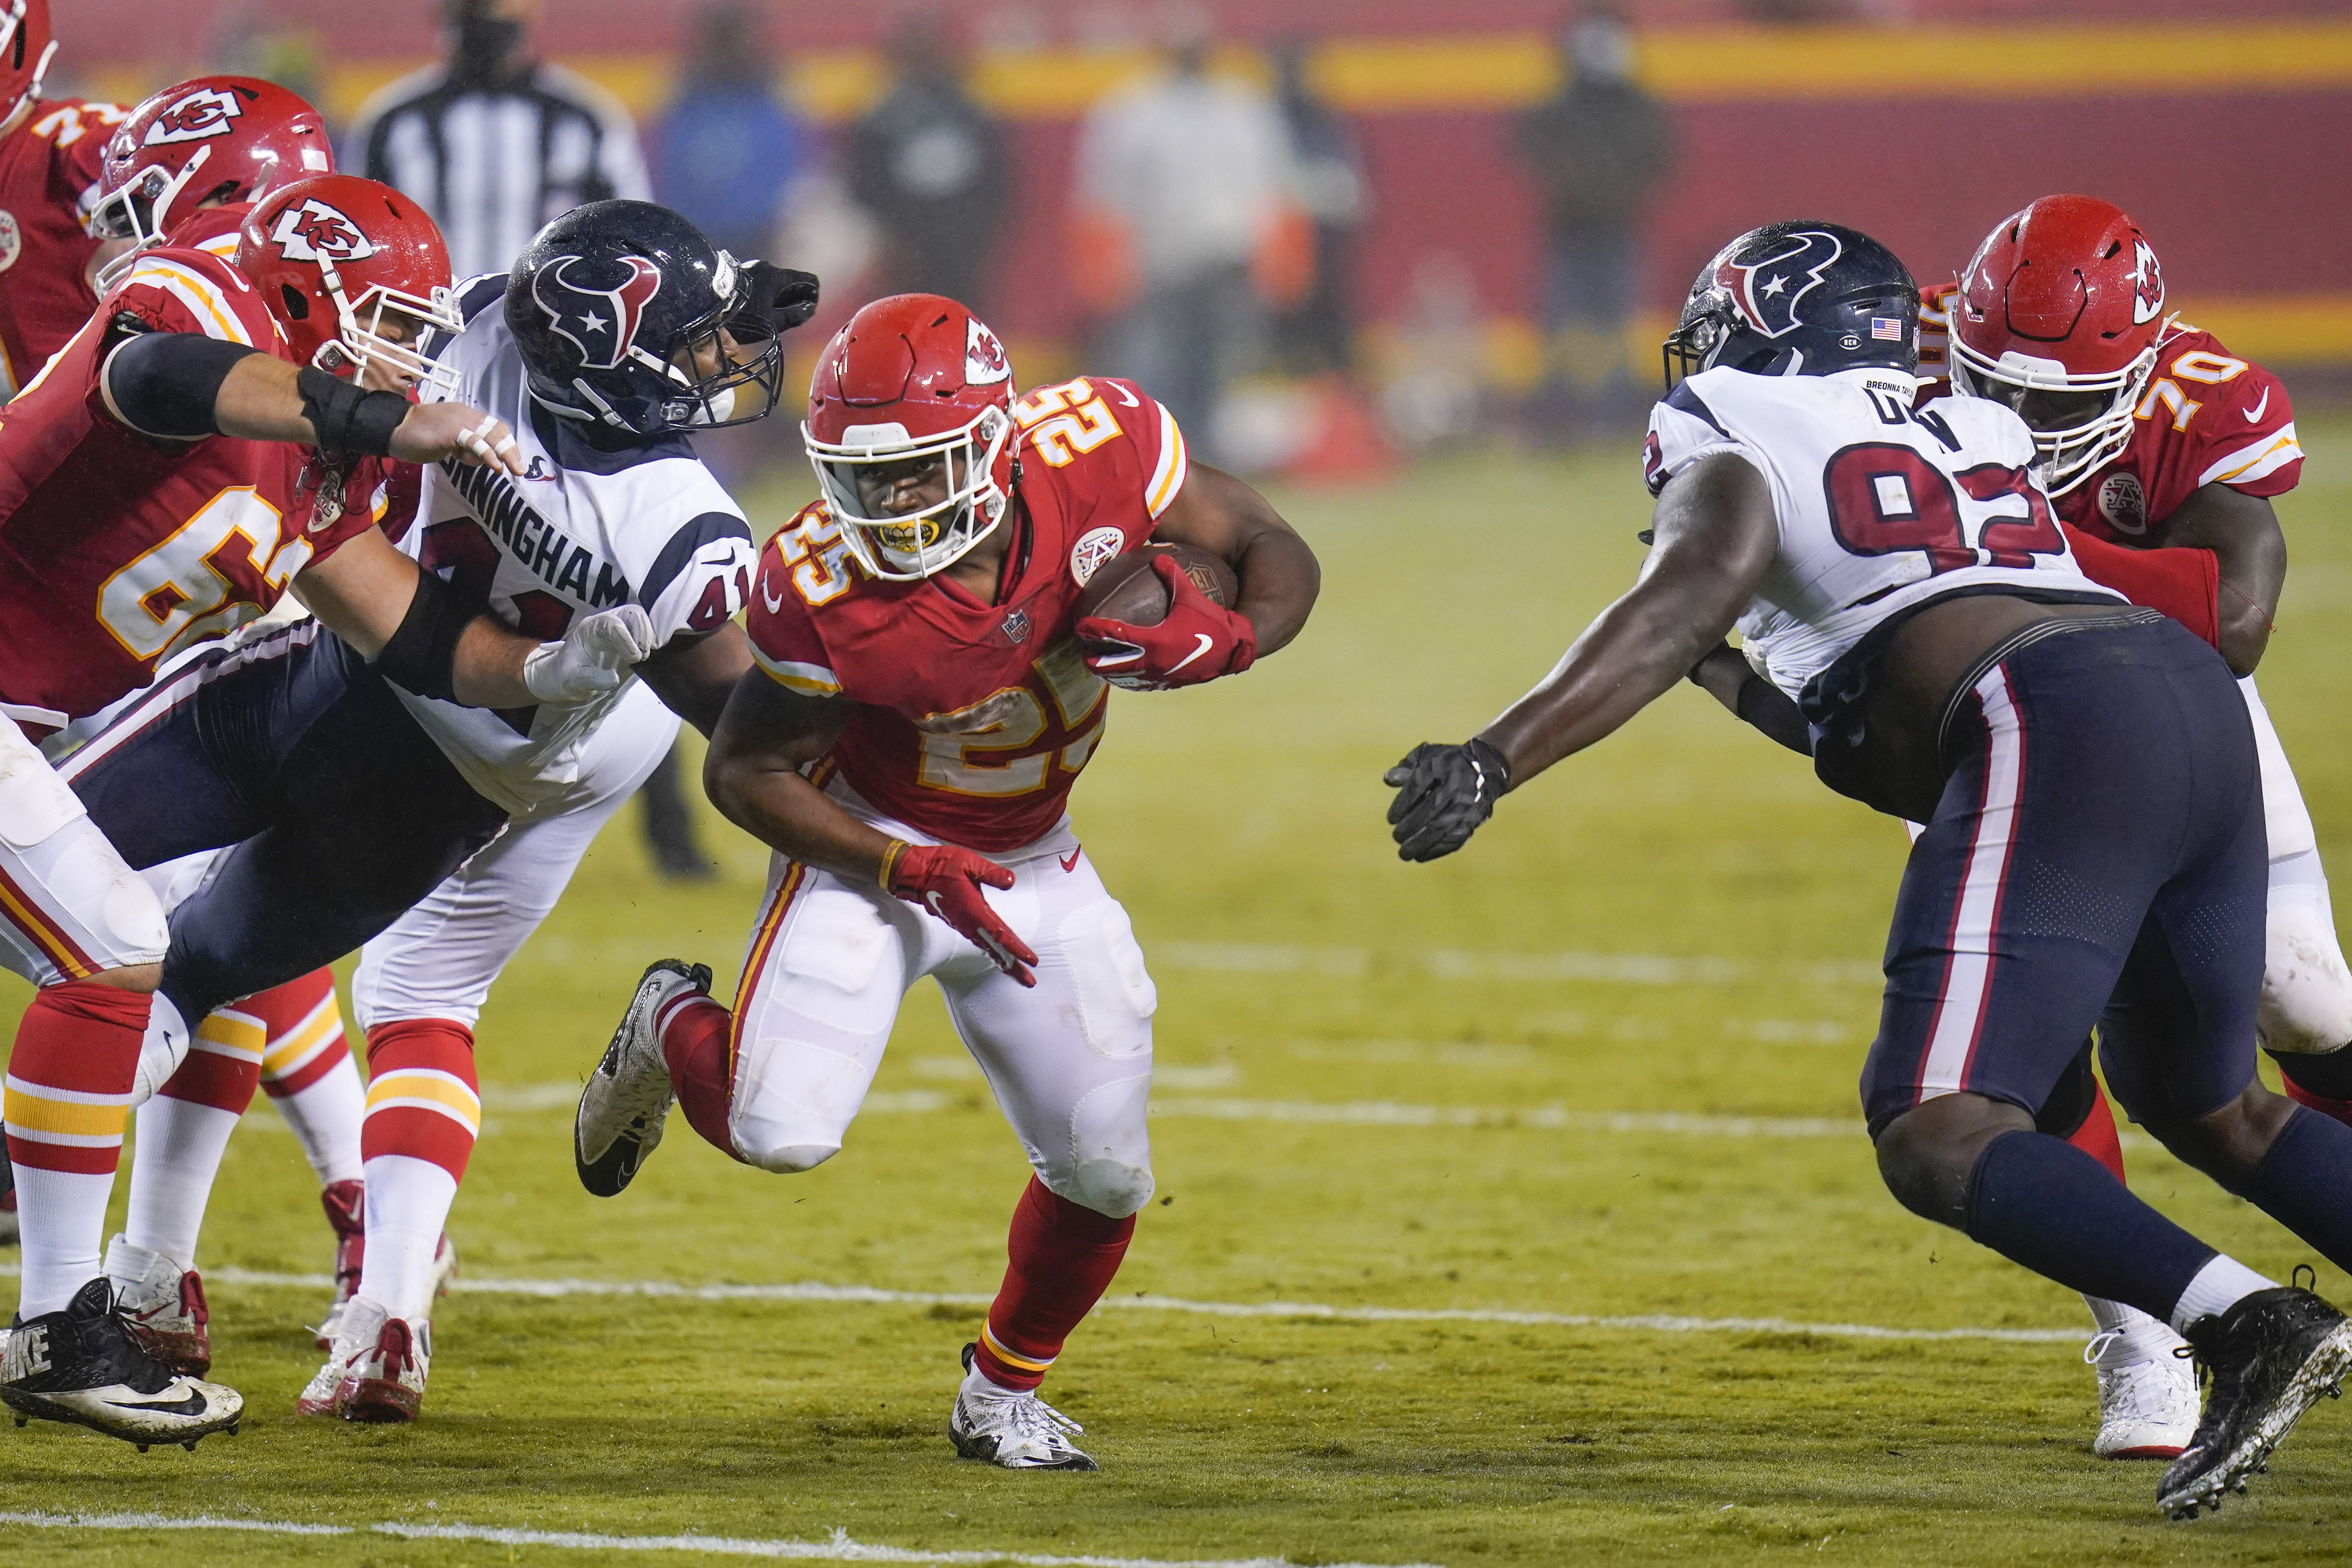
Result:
[194,1404]
[2254,415]
[1207,642]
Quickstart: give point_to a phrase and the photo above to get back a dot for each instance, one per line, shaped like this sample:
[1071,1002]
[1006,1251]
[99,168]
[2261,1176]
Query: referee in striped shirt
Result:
[494,144]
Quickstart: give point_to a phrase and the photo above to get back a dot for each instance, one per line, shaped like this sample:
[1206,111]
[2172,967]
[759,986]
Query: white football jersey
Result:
[1880,507]
[583,530]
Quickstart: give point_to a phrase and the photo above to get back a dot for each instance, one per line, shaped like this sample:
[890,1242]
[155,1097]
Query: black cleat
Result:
[81,1365]
[2271,1357]
[627,1100]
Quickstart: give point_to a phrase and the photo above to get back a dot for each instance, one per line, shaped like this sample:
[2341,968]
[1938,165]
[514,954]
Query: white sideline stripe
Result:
[868,1295]
[839,1549]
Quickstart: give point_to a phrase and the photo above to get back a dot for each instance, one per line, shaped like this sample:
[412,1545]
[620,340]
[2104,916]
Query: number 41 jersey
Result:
[1880,507]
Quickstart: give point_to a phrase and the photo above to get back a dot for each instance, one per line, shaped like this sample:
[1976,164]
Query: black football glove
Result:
[1444,793]
[776,297]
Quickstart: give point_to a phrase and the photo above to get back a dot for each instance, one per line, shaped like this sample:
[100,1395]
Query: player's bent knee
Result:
[1109,1187]
[1108,1163]
[788,1158]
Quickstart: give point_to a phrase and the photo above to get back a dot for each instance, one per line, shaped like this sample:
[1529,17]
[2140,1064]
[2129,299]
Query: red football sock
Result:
[1062,1258]
[693,1030]
[2097,1137]
[422,1098]
[69,1079]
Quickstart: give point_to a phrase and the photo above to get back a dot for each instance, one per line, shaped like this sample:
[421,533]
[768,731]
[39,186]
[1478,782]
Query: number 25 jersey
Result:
[976,718]
[1880,507]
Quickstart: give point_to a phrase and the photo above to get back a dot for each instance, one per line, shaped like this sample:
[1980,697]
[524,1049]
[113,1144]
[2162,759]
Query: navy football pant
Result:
[342,811]
[2097,857]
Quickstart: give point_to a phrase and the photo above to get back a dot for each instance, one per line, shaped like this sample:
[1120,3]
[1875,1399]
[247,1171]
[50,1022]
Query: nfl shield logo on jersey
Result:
[1767,285]
[2123,503]
[1094,547]
[315,231]
[12,240]
[194,118]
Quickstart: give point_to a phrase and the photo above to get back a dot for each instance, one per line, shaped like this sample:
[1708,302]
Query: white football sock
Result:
[2138,1336]
[173,1164]
[408,1203]
[62,1220]
[162,1050]
[325,1118]
[2221,1285]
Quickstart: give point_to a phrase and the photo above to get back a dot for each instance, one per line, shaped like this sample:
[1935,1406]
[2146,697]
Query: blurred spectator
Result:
[1599,149]
[1319,334]
[1184,190]
[930,164]
[494,144]
[726,148]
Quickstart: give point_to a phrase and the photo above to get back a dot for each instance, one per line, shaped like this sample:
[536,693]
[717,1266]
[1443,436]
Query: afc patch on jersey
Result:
[1094,547]
[2123,503]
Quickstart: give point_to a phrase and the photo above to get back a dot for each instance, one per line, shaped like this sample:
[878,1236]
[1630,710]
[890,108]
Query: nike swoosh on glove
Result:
[1198,639]
[1444,793]
[947,881]
[593,658]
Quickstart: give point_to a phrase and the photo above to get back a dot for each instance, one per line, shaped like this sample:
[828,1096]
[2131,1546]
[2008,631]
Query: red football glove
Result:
[1199,639]
[947,881]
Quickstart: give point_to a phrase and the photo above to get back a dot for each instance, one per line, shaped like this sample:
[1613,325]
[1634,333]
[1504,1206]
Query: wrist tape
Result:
[346,418]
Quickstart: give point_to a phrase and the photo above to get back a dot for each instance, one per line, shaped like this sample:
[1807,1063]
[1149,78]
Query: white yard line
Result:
[839,1547]
[869,1295]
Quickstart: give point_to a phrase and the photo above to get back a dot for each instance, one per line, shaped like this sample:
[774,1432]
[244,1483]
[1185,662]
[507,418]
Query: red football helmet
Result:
[910,377]
[215,139]
[26,46]
[2064,297]
[336,259]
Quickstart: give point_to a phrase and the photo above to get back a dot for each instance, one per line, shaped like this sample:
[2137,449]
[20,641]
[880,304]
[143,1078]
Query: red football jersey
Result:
[2207,418]
[48,184]
[118,550]
[212,228]
[977,717]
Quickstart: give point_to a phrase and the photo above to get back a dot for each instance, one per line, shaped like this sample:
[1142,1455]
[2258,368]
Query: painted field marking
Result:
[869,1295]
[839,1547]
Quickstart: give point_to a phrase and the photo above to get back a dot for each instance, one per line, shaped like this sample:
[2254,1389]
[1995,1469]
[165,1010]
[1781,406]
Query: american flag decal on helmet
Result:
[1886,329]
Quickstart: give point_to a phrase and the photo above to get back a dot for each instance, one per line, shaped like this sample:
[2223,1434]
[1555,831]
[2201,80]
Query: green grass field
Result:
[1380,1086]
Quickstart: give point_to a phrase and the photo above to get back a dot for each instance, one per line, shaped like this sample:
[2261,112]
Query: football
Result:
[1125,588]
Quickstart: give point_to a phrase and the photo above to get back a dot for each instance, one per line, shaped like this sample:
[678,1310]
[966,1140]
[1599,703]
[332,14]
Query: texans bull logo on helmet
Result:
[209,112]
[600,318]
[317,232]
[1765,287]
[2147,283]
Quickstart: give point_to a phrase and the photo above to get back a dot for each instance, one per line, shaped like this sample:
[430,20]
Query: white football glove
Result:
[593,658]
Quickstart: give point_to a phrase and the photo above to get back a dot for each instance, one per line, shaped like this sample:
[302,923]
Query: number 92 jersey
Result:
[1881,507]
[977,717]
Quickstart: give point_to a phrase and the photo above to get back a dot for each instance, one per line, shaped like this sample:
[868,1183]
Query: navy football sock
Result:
[2040,1201]
[2329,1076]
[2305,1182]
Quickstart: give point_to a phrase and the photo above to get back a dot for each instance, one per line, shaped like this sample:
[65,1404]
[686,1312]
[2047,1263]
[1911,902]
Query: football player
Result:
[924,699]
[184,169]
[619,331]
[1900,571]
[182,461]
[50,151]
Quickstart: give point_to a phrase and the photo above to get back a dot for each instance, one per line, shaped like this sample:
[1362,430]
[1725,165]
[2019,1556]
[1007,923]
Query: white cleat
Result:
[376,1371]
[80,1365]
[1018,1431]
[2148,1403]
[627,1098]
[163,1306]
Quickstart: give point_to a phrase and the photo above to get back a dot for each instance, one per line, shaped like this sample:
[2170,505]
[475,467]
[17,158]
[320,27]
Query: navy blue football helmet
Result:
[618,308]
[1798,299]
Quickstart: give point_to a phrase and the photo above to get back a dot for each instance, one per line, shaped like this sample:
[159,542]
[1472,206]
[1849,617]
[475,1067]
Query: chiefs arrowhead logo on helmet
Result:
[1765,287]
[194,118]
[601,322]
[317,232]
[2147,283]
[985,358]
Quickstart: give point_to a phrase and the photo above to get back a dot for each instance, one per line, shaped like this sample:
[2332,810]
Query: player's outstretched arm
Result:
[695,675]
[2243,533]
[752,775]
[186,386]
[1716,534]
[429,639]
[1278,572]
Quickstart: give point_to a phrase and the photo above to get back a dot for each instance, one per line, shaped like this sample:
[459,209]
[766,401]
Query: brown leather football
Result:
[1125,588]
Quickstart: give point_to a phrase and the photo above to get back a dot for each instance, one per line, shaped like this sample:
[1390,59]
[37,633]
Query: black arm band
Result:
[422,656]
[165,384]
[347,420]
[1768,709]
